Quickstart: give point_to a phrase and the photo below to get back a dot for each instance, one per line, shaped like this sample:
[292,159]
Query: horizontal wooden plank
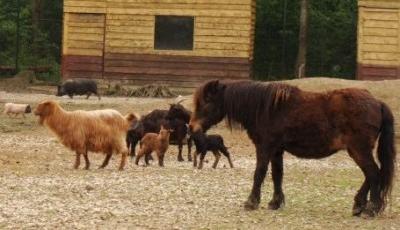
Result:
[222,46]
[86,52]
[380,56]
[224,26]
[380,32]
[130,17]
[175,58]
[73,29]
[197,52]
[381,4]
[82,74]
[379,48]
[224,20]
[187,65]
[82,59]
[173,71]
[129,43]
[127,36]
[83,4]
[83,67]
[222,39]
[181,6]
[130,29]
[379,71]
[147,23]
[381,24]
[78,9]
[378,62]
[223,2]
[382,15]
[180,12]
[380,40]
[222,32]
[87,24]
[86,37]
[84,44]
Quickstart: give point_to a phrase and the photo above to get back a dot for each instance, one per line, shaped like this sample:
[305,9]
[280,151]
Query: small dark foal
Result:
[205,143]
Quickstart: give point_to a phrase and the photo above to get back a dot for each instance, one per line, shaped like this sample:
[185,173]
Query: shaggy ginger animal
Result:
[11,108]
[154,142]
[83,131]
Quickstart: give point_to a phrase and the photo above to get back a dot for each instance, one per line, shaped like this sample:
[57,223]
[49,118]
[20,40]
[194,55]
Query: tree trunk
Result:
[36,10]
[302,52]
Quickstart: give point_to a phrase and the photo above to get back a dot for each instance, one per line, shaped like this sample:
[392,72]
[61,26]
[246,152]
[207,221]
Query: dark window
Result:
[174,33]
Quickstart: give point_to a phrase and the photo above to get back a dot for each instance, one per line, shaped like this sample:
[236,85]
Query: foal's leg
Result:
[217,155]
[195,159]
[180,146]
[87,162]
[365,161]
[202,156]
[277,173]
[77,160]
[160,158]
[224,151]
[106,160]
[261,170]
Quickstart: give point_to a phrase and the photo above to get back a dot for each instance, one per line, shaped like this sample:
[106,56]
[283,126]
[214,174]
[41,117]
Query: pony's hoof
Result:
[357,210]
[371,210]
[250,205]
[274,205]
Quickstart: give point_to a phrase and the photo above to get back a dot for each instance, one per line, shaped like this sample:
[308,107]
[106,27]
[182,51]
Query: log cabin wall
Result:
[115,40]
[378,40]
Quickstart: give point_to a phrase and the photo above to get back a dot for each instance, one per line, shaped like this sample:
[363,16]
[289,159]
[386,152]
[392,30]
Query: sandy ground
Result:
[39,188]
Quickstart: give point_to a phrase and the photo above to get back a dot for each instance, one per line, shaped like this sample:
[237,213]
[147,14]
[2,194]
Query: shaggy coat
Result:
[279,117]
[152,142]
[11,108]
[100,131]
[205,143]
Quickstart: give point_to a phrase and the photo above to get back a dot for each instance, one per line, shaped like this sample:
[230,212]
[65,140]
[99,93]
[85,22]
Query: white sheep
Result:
[11,108]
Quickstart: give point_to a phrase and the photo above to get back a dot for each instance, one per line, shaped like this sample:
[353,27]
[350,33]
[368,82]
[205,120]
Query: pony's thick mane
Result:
[245,102]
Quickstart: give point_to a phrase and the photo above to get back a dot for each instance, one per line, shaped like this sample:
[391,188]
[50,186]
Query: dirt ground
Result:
[39,188]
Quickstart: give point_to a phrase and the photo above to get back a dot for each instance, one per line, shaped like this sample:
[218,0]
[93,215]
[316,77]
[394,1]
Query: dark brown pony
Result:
[280,117]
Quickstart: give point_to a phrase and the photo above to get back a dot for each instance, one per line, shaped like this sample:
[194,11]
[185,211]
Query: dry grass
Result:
[39,188]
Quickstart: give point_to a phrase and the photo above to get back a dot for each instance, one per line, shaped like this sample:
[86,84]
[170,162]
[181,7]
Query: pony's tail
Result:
[386,154]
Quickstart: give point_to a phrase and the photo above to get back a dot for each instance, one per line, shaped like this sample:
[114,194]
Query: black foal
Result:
[213,143]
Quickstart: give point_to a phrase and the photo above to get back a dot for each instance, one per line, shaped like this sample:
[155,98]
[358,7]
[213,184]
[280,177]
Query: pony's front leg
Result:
[261,170]
[277,173]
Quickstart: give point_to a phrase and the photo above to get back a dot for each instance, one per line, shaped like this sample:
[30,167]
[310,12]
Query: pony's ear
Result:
[213,87]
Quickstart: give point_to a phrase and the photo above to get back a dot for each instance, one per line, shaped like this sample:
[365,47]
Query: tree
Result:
[302,51]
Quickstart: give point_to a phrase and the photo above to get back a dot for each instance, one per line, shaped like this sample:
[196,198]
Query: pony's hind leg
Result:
[217,156]
[263,158]
[365,161]
[189,144]
[277,173]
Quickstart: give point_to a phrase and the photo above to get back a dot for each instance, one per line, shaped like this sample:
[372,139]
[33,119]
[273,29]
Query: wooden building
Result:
[178,42]
[378,39]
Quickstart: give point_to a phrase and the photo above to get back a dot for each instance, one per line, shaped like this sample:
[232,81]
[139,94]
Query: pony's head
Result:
[208,106]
